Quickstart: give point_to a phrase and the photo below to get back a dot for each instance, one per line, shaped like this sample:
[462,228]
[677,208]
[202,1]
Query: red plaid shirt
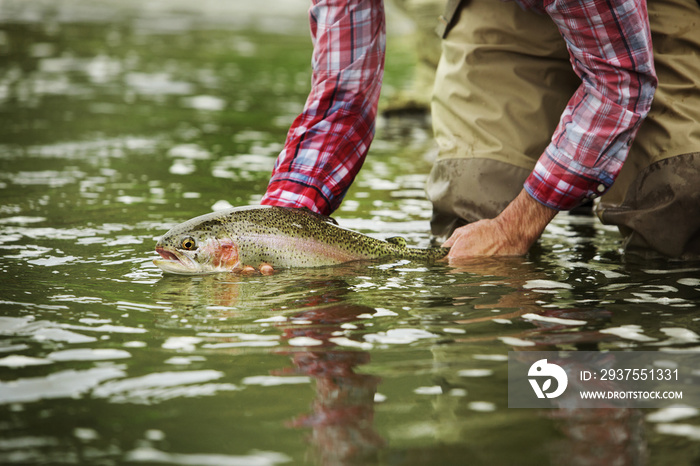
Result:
[327,144]
[610,46]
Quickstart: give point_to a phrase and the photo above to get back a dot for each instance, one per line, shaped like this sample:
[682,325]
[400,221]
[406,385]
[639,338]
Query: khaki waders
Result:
[502,82]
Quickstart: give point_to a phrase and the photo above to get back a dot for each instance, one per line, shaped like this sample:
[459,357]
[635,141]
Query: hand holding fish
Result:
[509,234]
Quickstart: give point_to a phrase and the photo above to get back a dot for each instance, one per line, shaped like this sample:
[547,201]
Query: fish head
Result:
[197,247]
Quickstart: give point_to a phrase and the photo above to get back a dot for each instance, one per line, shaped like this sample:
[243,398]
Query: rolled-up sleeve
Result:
[609,43]
[327,144]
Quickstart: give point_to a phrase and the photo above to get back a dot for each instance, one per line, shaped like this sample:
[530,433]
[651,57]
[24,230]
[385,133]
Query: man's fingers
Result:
[456,235]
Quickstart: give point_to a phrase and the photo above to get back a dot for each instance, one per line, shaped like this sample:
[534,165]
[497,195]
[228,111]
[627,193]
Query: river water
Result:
[120,119]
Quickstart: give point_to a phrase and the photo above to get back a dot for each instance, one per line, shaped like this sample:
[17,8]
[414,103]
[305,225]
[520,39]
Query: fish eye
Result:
[189,243]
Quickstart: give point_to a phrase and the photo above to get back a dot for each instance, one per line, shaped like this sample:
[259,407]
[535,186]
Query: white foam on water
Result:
[205,103]
[381,312]
[22,220]
[181,343]
[17,360]
[257,458]
[221,205]
[273,380]
[162,386]
[628,332]
[682,430]
[545,284]
[553,320]
[106,328]
[346,342]
[14,348]
[648,298]
[491,357]
[88,354]
[502,321]
[475,373]
[400,336]
[669,271]
[57,334]
[482,406]
[135,344]
[512,341]
[434,390]
[240,336]
[241,344]
[677,336]
[687,349]
[183,360]
[64,384]
[154,435]
[52,261]
[272,319]
[689,281]
[85,434]
[304,341]
[182,167]
[673,413]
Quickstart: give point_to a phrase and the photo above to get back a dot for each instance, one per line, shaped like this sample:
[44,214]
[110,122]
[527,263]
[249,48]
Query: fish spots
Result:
[282,237]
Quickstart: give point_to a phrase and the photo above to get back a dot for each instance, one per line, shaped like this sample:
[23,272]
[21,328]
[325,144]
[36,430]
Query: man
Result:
[520,135]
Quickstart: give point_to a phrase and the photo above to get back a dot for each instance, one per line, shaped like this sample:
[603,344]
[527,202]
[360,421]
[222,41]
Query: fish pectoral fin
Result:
[264,269]
[397,240]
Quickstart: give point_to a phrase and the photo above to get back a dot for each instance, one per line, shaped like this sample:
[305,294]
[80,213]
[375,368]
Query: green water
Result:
[117,123]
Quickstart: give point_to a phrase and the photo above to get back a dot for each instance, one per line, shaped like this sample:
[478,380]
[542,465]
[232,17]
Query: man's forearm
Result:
[327,144]
[611,50]
[524,220]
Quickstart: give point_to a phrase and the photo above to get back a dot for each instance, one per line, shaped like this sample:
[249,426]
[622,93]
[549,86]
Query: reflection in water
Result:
[599,436]
[342,417]
[587,436]
[342,421]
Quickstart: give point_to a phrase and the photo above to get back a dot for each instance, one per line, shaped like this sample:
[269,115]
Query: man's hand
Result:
[510,234]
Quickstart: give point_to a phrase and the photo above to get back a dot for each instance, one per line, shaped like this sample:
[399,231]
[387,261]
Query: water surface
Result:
[118,122]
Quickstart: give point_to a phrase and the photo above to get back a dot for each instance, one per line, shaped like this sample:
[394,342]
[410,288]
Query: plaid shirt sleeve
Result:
[327,144]
[610,47]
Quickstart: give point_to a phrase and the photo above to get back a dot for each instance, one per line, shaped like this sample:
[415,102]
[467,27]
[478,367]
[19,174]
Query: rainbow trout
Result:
[283,237]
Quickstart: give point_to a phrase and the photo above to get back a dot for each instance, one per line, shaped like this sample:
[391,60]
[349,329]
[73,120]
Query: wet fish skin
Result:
[282,237]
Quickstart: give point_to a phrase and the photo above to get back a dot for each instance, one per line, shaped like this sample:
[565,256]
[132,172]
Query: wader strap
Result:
[448,17]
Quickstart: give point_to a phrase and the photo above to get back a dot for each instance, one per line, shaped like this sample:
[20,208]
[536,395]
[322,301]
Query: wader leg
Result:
[655,201]
[502,82]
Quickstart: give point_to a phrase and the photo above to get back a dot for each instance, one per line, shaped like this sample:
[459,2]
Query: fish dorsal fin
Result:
[321,217]
[397,240]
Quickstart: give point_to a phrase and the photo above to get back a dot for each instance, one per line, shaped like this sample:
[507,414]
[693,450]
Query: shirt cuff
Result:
[560,188]
[287,193]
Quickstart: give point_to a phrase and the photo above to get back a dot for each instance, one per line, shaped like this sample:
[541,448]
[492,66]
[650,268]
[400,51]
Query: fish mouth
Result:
[172,262]
[167,255]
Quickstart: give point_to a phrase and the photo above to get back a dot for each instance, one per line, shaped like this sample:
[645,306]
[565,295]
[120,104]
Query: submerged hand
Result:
[510,234]
[483,238]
